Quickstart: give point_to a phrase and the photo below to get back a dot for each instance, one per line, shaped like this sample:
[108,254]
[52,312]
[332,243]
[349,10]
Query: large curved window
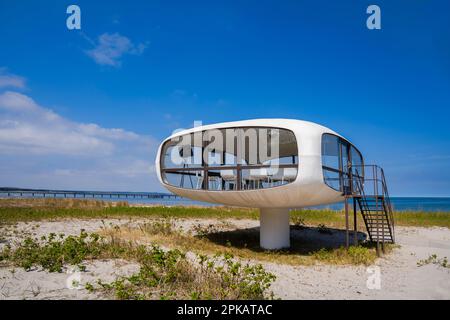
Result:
[341,162]
[243,158]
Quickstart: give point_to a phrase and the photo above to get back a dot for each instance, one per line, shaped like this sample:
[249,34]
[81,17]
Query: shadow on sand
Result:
[304,240]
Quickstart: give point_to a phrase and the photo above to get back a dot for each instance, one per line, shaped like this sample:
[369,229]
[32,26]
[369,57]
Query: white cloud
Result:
[11,80]
[115,134]
[110,48]
[28,128]
[39,148]
[15,101]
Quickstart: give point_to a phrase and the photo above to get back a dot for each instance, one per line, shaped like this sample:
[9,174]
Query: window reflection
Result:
[231,159]
[340,162]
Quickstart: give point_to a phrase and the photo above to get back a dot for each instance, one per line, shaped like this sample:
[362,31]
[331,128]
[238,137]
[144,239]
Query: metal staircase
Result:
[369,191]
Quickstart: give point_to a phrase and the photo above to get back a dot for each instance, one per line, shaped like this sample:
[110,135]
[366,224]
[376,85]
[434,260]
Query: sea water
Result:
[428,204]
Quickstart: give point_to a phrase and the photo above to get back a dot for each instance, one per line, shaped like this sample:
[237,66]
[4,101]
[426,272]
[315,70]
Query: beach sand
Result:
[400,276]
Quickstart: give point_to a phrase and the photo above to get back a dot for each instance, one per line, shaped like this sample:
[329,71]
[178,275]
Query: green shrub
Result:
[163,274]
[159,226]
[433,259]
[53,252]
[354,255]
[169,275]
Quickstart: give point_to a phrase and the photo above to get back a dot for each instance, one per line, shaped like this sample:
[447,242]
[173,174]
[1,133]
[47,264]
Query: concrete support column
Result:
[274,228]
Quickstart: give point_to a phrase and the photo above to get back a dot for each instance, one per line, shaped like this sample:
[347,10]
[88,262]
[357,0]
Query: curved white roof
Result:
[267,122]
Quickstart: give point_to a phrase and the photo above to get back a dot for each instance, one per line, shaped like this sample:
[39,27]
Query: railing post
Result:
[355,223]
[347,240]
[238,177]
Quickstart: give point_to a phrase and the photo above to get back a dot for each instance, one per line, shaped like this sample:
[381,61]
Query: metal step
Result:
[375,208]
[386,232]
[377,217]
[378,226]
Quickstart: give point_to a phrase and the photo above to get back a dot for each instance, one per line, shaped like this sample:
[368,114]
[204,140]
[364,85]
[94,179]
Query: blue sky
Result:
[86,109]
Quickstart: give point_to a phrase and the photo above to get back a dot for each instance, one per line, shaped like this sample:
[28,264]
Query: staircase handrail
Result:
[378,178]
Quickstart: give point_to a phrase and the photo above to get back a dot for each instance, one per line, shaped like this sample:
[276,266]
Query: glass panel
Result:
[345,166]
[180,153]
[214,180]
[332,179]
[184,179]
[330,151]
[335,162]
[357,162]
[230,159]
[234,149]
[267,177]
[357,168]
[331,159]
[228,179]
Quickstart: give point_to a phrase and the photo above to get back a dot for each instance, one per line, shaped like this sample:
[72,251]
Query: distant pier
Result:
[44,193]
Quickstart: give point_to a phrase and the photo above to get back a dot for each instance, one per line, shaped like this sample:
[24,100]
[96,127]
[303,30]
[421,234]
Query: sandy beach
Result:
[399,274]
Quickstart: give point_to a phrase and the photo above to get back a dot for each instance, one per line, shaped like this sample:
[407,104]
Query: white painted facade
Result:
[308,189]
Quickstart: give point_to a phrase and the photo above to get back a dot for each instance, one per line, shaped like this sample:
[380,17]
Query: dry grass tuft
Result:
[12,210]
[60,203]
[163,274]
[244,243]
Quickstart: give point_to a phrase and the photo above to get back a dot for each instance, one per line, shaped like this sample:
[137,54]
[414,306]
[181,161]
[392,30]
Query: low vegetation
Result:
[13,210]
[53,252]
[209,239]
[163,274]
[60,203]
[202,261]
[244,243]
[47,209]
[362,254]
[434,259]
[169,275]
[422,219]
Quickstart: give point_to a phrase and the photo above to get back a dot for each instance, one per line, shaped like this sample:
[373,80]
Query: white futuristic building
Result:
[271,164]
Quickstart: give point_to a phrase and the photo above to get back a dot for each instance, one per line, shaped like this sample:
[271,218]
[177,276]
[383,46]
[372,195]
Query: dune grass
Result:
[13,210]
[242,243]
[317,237]
[163,274]
[402,218]
[225,239]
